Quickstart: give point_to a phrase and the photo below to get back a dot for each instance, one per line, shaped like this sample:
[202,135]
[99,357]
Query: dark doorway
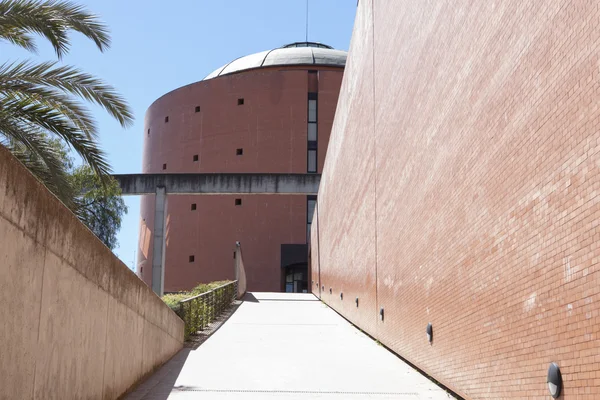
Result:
[296,280]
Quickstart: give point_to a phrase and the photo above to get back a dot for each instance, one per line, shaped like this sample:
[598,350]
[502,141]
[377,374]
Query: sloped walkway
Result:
[287,346]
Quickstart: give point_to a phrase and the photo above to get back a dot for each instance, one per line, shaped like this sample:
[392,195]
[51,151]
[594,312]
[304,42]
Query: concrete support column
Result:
[158,240]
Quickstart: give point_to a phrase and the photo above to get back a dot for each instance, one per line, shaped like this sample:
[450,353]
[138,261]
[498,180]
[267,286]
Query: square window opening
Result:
[191,258]
[164,166]
[239,152]
[240,102]
[238,202]
[167,119]
[195,158]
[193,206]
[197,108]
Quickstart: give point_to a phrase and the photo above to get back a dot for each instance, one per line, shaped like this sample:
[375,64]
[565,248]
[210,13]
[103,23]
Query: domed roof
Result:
[299,53]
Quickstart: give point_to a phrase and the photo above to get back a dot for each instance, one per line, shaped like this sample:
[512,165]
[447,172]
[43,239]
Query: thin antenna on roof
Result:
[307,20]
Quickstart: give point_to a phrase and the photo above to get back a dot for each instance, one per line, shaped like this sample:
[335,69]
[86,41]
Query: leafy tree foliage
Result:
[100,205]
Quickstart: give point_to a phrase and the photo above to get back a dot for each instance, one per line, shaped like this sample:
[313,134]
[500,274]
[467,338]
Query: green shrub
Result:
[173,299]
[199,312]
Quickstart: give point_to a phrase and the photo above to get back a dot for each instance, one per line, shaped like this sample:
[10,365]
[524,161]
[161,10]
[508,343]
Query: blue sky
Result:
[160,45]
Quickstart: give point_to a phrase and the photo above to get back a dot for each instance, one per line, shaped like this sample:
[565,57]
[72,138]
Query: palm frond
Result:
[41,103]
[18,37]
[32,149]
[22,113]
[53,98]
[70,80]
[52,19]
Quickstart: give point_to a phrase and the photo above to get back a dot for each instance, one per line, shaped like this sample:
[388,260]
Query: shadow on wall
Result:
[77,322]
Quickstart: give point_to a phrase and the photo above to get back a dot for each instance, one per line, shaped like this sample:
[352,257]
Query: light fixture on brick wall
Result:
[554,380]
[381,314]
[429,332]
[356,301]
[342,296]
[330,290]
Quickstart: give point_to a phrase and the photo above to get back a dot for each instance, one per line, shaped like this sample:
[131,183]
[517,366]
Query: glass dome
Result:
[298,53]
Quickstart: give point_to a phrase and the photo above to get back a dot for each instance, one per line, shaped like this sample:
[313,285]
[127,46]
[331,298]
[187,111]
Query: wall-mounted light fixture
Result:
[554,380]
[330,290]
[342,296]
[429,332]
[323,288]
[381,313]
[356,301]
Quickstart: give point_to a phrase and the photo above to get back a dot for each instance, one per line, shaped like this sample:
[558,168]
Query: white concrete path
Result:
[287,346]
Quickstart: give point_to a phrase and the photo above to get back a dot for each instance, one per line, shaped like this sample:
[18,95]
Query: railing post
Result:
[195,301]
[201,312]
[212,306]
[220,309]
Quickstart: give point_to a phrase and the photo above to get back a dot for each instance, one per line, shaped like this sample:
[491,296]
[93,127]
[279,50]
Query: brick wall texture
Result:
[461,188]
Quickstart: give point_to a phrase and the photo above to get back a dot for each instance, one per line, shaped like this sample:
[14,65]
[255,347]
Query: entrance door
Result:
[296,279]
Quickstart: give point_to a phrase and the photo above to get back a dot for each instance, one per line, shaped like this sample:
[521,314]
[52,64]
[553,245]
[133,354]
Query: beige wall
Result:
[75,321]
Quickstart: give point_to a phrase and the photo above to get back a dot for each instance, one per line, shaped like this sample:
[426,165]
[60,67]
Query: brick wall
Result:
[271,128]
[461,188]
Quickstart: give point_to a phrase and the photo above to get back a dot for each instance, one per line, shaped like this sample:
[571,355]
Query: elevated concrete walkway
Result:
[287,346]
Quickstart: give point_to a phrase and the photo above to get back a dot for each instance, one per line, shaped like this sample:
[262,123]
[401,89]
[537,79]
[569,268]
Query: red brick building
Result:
[462,188]
[269,112]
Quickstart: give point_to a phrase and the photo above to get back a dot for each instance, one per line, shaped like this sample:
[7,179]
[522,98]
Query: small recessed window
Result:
[240,102]
[197,108]
[193,206]
[166,119]
[195,157]
[164,166]
[148,131]
[192,258]
[238,202]
[239,152]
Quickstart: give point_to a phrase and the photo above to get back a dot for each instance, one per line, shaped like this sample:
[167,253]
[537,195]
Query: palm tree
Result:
[39,102]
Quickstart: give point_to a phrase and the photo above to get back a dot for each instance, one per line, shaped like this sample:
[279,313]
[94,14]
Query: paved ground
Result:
[287,346]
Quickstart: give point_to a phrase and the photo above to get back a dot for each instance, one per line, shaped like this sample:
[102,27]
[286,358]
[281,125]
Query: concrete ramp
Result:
[288,346]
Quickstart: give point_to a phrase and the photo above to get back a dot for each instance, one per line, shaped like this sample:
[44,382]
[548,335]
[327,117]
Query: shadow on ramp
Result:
[158,386]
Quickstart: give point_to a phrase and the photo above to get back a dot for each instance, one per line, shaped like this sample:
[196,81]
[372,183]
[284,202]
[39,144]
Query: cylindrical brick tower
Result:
[269,112]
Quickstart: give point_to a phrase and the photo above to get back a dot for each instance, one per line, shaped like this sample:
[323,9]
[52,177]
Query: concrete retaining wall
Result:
[462,188]
[75,321]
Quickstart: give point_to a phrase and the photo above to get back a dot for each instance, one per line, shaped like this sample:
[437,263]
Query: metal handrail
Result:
[206,293]
[199,311]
